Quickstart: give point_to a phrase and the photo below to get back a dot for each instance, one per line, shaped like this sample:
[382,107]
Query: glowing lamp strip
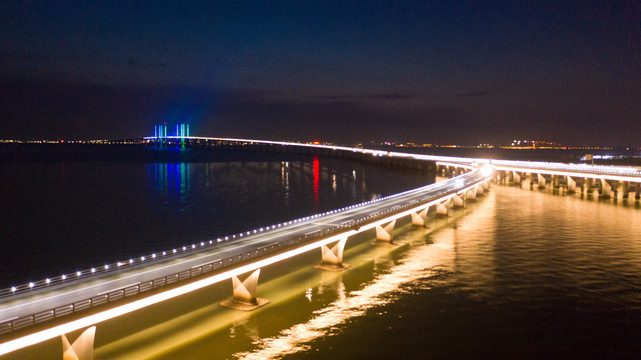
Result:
[537,167]
[90,320]
[570,173]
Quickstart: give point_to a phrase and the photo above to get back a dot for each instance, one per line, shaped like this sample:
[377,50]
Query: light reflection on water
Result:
[419,263]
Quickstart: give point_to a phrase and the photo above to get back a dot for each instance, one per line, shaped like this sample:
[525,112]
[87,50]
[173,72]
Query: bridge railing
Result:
[583,168]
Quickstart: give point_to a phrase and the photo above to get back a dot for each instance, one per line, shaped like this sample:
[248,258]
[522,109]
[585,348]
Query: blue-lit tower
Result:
[182,131]
[160,134]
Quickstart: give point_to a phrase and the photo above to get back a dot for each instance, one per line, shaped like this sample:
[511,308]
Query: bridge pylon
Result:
[385,234]
[82,348]
[459,200]
[419,218]
[441,208]
[333,256]
[606,189]
[471,194]
[244,294]
[540,181]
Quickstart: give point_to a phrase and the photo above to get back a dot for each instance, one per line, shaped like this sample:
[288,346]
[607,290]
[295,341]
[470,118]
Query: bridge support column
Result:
[632,195]
[517,177]
[459,200]
[419,218]
[471,194]
[82,348]
[333,257]
[441,208]
[244,294]
[527,183]
[555,182]
[571,185]
[588,186]
[385,234]
[486,186]
[623,189]
[606,188]
[540,179]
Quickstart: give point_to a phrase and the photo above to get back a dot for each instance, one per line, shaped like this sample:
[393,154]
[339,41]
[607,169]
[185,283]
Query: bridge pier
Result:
[555,182]
[540,181]
[333,256]
[82,348]
[571,185]
[527,183]
[471,194]
[441,208]
[517,177]
[459,200]
[419,218]
[385,234]
[244,293]
[588,186]
[606,189]
[486,186]
[633,195]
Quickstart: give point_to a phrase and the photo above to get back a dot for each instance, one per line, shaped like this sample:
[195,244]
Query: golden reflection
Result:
[421,262]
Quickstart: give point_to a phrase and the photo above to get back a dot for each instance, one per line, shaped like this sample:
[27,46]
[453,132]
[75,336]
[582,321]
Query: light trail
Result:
[623,173]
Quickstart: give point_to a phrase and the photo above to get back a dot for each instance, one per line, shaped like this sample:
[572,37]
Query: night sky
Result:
[462,72]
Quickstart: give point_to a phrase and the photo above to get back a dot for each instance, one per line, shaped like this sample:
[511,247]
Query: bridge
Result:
[52,307]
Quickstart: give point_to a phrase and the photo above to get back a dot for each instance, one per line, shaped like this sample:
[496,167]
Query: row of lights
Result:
[577,167]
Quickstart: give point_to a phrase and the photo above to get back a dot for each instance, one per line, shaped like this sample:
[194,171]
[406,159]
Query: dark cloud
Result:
[385,96]
[469,94]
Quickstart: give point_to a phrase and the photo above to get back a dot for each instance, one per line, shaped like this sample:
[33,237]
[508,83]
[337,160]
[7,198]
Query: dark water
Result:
[516,275]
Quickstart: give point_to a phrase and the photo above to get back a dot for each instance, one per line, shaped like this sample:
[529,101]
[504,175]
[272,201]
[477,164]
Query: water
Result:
[518,274]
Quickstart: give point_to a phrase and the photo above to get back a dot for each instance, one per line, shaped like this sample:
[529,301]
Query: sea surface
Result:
[518,274]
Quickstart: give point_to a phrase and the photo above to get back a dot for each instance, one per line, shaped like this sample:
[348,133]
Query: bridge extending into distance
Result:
[38,311]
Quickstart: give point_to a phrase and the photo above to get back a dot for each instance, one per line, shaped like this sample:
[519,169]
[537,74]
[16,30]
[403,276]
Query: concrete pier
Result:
[82,348]
[332,257]
[244,294]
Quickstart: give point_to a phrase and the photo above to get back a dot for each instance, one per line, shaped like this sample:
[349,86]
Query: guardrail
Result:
[131,290]
[135,289]
[588,169]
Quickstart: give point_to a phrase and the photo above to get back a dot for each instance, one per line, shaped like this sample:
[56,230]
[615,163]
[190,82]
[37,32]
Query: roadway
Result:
[273,240]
